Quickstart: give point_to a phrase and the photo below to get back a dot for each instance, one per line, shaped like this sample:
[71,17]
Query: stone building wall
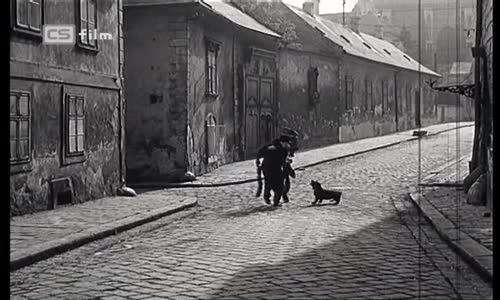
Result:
[156,48]
[47,73]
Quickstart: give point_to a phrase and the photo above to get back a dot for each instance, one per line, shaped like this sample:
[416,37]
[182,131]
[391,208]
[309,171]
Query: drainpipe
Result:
[121,106]
[477,88]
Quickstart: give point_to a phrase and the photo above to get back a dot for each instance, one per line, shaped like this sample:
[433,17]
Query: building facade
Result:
[188,67]
[362,86]
[66,122]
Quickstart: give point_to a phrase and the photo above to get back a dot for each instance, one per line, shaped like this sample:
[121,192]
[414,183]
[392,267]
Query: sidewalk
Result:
[461,225]
[244,171]
[41,235]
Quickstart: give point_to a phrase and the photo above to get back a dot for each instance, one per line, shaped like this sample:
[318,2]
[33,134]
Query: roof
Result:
[219,7]
[361,44]
[238,17]
[155,2]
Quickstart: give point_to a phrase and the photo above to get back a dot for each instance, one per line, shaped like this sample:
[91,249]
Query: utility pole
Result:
[343,12]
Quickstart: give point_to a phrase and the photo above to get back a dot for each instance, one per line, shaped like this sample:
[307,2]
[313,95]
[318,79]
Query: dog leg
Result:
[315,201]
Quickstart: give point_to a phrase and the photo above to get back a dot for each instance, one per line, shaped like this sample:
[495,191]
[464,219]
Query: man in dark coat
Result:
[276,166]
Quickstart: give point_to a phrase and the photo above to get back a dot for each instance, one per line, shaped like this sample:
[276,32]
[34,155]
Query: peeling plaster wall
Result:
[96,177]
[200,105]
[156,46]
[42,70]
[361,123]
[316,124]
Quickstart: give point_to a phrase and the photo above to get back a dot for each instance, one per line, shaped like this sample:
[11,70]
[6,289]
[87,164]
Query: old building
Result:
[188,67]
[453,107]
[398,22]
[337,84]
[65,104]
[478,86]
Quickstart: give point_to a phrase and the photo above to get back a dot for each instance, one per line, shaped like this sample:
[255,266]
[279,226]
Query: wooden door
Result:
[260,116]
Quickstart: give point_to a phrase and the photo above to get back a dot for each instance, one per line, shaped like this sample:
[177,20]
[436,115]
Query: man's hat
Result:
[289,132]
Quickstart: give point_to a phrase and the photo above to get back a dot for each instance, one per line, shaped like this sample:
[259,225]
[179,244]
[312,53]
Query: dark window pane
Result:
[80,126]
[84,38]
[71,106]
[72,127]
[80,141]
[35,15]
[83,10]
[22,12]
[13,144]
[91,10]
[72,144]
[79,107]
[13,129]
[23,149]
[23,129]
[13,104]
[23,105]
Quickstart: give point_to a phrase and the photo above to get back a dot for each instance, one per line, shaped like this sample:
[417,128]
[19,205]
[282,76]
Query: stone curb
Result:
[49,249]
[299,168]
[478,256]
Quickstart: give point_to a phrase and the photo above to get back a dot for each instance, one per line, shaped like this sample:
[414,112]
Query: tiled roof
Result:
[362,45]
[238,17]
[219,7]
[155,2]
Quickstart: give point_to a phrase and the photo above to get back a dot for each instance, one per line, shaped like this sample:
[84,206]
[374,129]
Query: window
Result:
[429,47]
[345,39]
[74,129]
[385,95]
[212,76]
[348,92]
[20,127]
[408,100]
[87,23]
[28,16]
[368,95]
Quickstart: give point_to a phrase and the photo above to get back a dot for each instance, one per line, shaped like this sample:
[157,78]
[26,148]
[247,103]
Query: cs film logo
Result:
[59,34]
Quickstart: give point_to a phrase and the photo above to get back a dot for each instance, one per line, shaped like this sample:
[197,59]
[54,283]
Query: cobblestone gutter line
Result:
[48,249]
[298,168]
[478,256]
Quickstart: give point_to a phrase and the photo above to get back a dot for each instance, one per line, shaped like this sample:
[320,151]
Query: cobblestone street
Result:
[373,245]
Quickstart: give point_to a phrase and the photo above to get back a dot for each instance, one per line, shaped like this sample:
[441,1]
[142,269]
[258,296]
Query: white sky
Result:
[327,6]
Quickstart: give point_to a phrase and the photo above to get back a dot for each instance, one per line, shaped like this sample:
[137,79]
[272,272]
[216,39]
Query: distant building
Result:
[398,22]
[66,121]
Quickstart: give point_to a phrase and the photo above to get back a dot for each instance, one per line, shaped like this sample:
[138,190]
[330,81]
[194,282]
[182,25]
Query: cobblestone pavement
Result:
[245,170]
[370,246]
[452,203]
[31,230]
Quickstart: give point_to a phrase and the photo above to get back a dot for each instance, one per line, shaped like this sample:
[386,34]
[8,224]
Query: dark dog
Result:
[321,194]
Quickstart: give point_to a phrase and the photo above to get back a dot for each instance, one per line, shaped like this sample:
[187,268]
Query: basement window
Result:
[387,51]
[345,39]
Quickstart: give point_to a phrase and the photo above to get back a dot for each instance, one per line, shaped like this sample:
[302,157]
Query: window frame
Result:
[385,95]
[26,31]
[211,71]
[86,46]
[369,96]
[349,82]
[18,118]
[72,157]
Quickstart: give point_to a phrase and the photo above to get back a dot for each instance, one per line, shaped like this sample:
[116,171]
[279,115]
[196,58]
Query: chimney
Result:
[379,32]
[311,7]
[355,24]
